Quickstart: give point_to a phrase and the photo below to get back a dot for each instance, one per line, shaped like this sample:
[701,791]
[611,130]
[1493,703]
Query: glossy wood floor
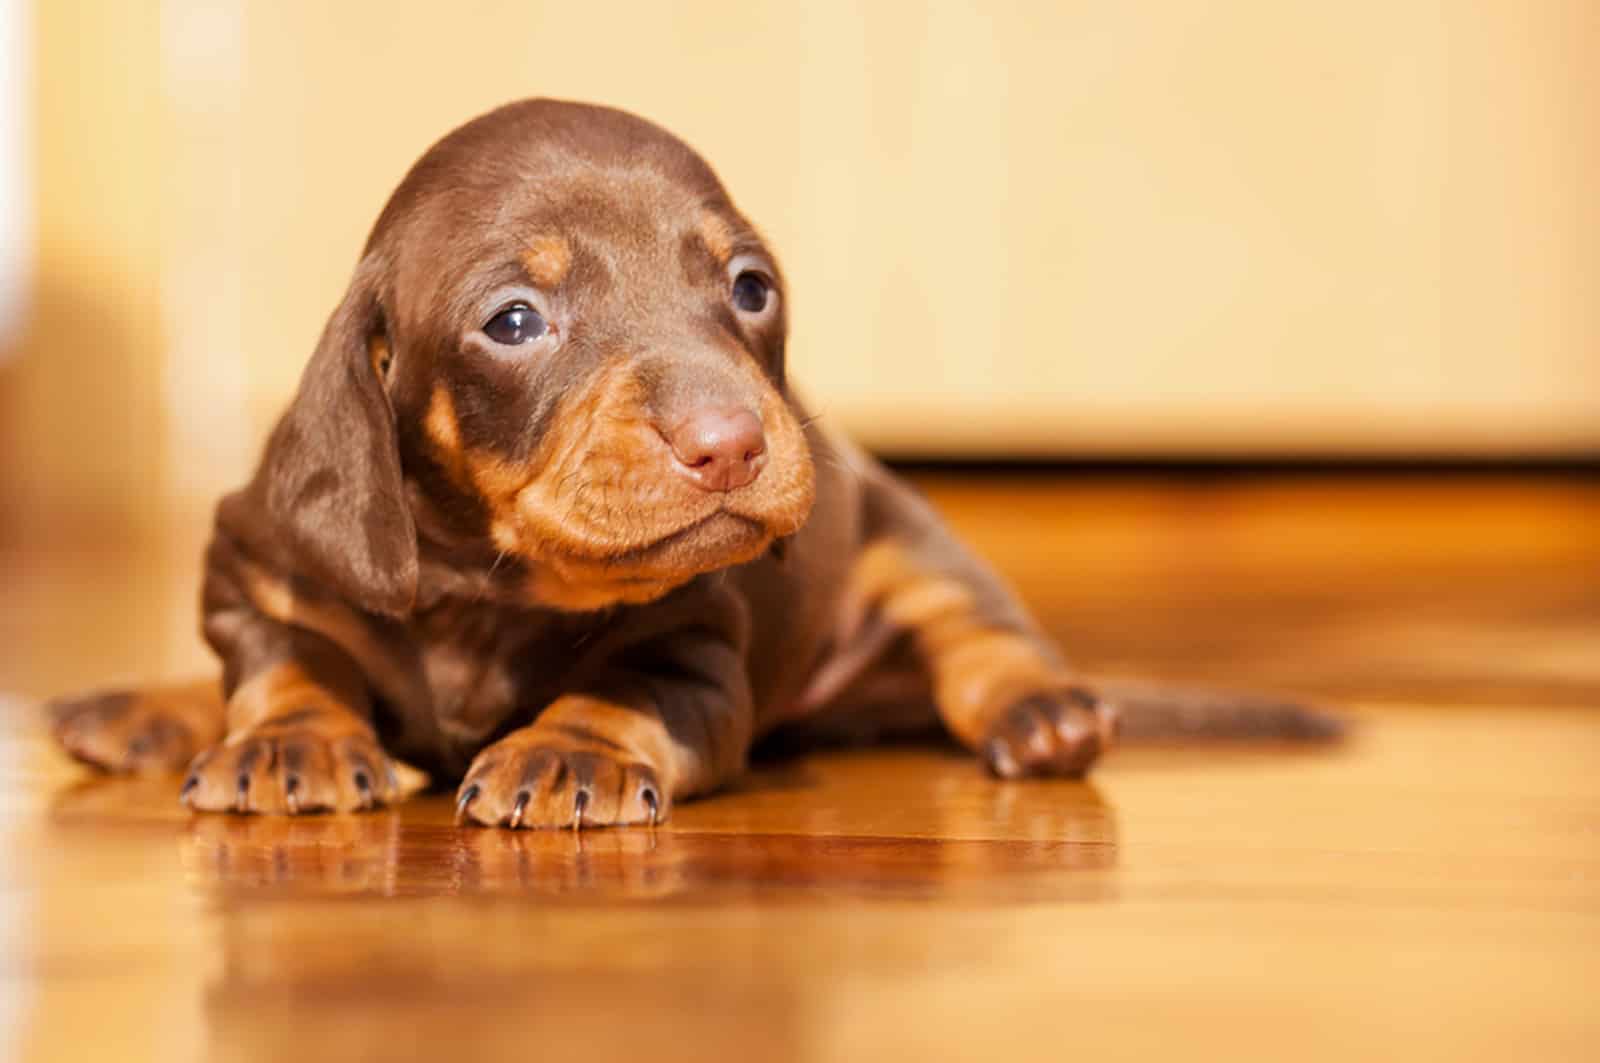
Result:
[1429,890]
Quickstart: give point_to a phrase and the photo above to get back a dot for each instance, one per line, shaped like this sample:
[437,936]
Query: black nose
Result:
[719,449]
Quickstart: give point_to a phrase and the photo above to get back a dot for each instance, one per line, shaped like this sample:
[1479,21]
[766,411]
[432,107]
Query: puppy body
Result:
[546,517]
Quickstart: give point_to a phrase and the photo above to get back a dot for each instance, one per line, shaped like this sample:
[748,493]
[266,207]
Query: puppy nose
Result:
[719,449]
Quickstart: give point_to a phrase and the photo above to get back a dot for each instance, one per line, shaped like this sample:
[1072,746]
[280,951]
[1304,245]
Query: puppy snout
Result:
[719,449]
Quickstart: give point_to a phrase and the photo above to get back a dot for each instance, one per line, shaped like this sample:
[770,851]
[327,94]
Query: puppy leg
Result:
[667,720]
[149,730]
[998,683]
[299,736]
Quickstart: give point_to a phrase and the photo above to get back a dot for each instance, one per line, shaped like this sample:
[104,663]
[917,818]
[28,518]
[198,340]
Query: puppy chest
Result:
[472,691]
[482,671]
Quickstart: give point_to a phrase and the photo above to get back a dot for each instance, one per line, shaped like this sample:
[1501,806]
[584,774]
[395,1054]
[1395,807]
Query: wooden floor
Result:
[1430,890]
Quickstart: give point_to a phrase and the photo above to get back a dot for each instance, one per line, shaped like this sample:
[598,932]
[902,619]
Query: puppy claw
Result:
[464,802]
[527,781]
[998,755]
[187,792]
[517,809]
[288,771]
[579,802]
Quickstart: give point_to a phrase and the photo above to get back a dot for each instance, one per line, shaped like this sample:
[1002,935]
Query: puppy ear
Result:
[330,481]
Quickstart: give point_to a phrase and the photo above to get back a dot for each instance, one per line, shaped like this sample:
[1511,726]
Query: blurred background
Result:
[1169,229]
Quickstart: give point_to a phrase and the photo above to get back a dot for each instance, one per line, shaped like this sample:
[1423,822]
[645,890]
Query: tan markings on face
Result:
[978,670]
[784,493]
[440,422]
[591,511]
[493,478]
[443,430]
[547,260]
[600,488]
[717,235]
[531,505]
[579,588]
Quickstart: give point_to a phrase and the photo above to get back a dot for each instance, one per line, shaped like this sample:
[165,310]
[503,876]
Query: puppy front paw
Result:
[1060,733]
[531,780]
[306,761]
[139,731]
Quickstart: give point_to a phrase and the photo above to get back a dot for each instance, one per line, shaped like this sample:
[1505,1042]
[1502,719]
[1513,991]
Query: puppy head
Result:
[561,359]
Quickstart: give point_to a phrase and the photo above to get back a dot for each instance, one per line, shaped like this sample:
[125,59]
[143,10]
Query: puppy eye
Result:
[514,325]
[751,292]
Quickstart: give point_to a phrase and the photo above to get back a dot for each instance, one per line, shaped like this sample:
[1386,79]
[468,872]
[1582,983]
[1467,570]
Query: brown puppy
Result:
[545,516]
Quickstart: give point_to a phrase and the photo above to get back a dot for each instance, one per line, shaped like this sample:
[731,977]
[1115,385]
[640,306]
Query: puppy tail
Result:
[1163,712]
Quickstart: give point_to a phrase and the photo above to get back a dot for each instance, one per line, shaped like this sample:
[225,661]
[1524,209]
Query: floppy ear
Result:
[330,480]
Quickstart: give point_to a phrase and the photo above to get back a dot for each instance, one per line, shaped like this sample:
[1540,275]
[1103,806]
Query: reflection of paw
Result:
[327,854]
[529,780]
[134,731]
[631,864]
[304,762]
[1060,733]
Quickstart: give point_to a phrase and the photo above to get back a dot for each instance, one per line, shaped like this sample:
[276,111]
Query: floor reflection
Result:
[934,834]
[330,927]
[405,853]
[444,931]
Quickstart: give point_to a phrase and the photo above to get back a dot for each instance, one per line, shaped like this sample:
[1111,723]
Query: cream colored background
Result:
[1063,229]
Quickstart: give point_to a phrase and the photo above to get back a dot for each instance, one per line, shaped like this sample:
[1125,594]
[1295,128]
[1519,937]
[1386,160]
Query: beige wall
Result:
[1175,226]
[81,414]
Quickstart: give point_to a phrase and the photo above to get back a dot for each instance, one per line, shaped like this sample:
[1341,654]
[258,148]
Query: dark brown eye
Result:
[514,325]
[751,292]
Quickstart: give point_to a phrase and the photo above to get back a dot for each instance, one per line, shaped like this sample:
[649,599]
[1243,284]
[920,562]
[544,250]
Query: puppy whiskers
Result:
[488,577]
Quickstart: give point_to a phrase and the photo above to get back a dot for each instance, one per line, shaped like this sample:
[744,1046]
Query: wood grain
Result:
[1430,890]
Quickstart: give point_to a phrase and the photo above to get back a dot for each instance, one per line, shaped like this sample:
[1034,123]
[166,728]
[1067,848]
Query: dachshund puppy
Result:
[545,517]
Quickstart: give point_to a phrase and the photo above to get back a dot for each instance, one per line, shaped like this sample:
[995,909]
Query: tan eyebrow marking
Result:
[717,235]
[547,261]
